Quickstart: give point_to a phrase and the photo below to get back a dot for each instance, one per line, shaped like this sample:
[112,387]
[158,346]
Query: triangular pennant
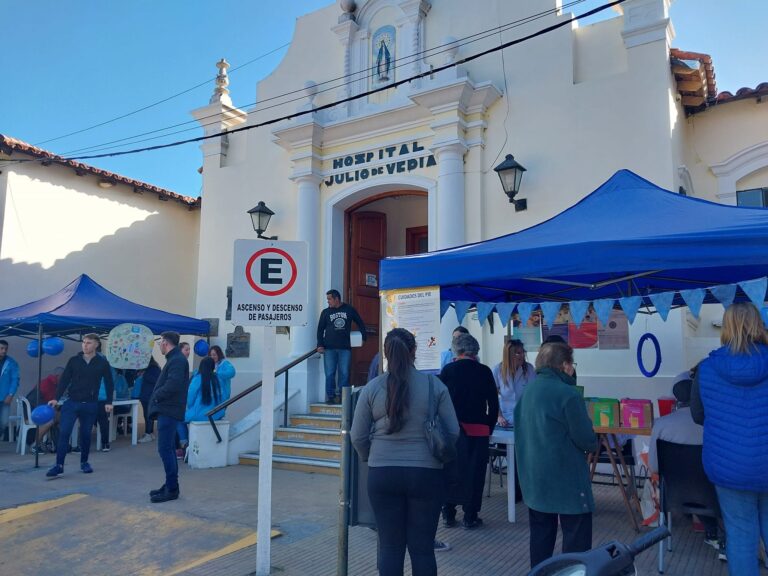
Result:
[483,311]
[578,309]
[444,305]
[550,310]
[461,309]
[663,302]
[755,290]
[603,309]
[630,305]
[725,293]
[504,310]
[524,310]
[694,299]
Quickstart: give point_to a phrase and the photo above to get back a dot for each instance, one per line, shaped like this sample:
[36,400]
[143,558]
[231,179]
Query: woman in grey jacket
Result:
[405,482]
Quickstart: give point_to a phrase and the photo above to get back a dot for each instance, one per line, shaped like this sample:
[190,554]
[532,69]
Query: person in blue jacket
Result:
[205,392]
[224,371]
[730,398]
[9,384]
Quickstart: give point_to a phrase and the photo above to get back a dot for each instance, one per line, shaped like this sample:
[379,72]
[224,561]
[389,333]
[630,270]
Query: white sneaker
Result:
[146,438]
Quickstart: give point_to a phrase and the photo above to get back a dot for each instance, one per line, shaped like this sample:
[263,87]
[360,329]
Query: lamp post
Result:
[511,174]
[260,216]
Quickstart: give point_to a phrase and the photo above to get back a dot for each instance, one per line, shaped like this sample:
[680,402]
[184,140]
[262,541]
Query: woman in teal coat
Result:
[553,435]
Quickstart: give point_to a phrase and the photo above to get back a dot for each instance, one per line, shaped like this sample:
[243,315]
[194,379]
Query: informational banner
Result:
[269,283]
[129,346]
[418,311]
[615,334]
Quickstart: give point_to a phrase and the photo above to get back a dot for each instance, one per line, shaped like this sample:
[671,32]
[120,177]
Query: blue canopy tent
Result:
[628,238]
[85,306]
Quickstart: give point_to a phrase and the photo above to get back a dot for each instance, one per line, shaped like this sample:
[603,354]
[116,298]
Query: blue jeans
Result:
[745,515]
[166,447]
[182,429]
[71,411]
[334,359]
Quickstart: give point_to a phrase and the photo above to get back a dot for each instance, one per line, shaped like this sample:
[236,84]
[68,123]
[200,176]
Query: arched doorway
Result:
[391,223]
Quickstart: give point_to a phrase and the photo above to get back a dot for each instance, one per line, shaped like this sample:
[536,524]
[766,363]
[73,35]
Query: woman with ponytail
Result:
[405,482]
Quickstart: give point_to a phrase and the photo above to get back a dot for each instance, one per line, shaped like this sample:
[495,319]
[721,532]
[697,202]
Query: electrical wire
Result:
[354,77]
[163,101]
[361,95]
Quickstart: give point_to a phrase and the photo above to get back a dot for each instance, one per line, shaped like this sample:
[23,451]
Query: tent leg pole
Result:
[37,399]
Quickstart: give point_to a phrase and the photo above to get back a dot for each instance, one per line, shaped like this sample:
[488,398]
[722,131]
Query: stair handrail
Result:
[278,372]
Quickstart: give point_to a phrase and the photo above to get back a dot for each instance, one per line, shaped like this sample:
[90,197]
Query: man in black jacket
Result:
[333,342]
[80,382]
[168,403]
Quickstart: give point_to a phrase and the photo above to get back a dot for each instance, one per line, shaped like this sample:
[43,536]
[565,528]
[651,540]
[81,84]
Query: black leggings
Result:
[406,504]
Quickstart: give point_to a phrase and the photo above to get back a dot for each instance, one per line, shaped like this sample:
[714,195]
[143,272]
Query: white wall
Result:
[56,225]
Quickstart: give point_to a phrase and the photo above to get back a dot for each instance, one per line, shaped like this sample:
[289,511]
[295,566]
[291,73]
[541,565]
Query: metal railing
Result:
[244,393]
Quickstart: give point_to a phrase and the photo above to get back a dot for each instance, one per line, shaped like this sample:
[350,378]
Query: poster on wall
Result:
[615,334]
[530,334]
[584,336]
[418,311]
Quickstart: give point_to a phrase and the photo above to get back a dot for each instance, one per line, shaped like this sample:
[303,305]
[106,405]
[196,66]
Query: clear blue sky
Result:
[68,65]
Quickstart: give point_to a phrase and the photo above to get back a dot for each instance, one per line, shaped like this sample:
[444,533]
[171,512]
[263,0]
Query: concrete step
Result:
[329,409]
[306,434]
[312,450]
[293,463]
[316,421]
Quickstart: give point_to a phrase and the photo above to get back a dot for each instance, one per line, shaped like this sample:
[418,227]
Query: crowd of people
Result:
[720,403]
[84,390]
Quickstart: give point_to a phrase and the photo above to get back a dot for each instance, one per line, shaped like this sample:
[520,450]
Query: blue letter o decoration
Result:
[657,348]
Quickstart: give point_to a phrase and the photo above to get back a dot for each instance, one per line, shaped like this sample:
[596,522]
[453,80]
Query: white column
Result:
[308,230]
[450,195]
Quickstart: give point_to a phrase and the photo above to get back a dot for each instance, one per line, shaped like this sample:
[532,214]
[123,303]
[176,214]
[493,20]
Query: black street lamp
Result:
[260,216]
[511,174]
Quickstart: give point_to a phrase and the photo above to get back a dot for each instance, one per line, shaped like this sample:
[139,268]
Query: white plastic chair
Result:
[24,409]
[14,421]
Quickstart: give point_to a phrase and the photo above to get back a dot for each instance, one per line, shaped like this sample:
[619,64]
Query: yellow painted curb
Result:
[12,514]
[249,540]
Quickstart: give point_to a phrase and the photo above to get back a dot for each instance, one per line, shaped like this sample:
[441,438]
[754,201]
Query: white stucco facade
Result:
[573,106]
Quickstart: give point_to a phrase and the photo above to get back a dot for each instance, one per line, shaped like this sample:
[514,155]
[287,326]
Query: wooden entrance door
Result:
[367,245]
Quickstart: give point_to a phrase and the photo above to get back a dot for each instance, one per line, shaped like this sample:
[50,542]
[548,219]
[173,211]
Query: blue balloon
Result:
[33,348]
[42,414]
[53,346]
[201,348]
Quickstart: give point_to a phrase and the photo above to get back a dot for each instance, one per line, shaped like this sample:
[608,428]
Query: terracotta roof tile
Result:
[9,145]
[696,82]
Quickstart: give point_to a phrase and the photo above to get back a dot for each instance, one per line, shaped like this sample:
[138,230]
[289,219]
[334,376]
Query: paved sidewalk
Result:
[305,510]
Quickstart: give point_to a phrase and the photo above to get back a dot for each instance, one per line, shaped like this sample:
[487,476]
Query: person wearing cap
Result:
[679,427]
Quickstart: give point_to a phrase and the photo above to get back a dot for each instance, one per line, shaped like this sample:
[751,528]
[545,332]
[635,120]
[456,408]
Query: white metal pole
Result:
[264,527]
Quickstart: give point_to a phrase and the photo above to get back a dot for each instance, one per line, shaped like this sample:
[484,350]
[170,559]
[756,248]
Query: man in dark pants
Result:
[168,403]
[333,330]
[80,381]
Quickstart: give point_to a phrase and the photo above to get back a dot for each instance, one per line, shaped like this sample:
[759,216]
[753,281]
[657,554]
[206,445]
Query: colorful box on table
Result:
[636,413]
[603,411]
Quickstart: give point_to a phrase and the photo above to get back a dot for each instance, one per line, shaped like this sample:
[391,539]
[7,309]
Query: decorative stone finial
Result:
[221,93]
[348,8]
